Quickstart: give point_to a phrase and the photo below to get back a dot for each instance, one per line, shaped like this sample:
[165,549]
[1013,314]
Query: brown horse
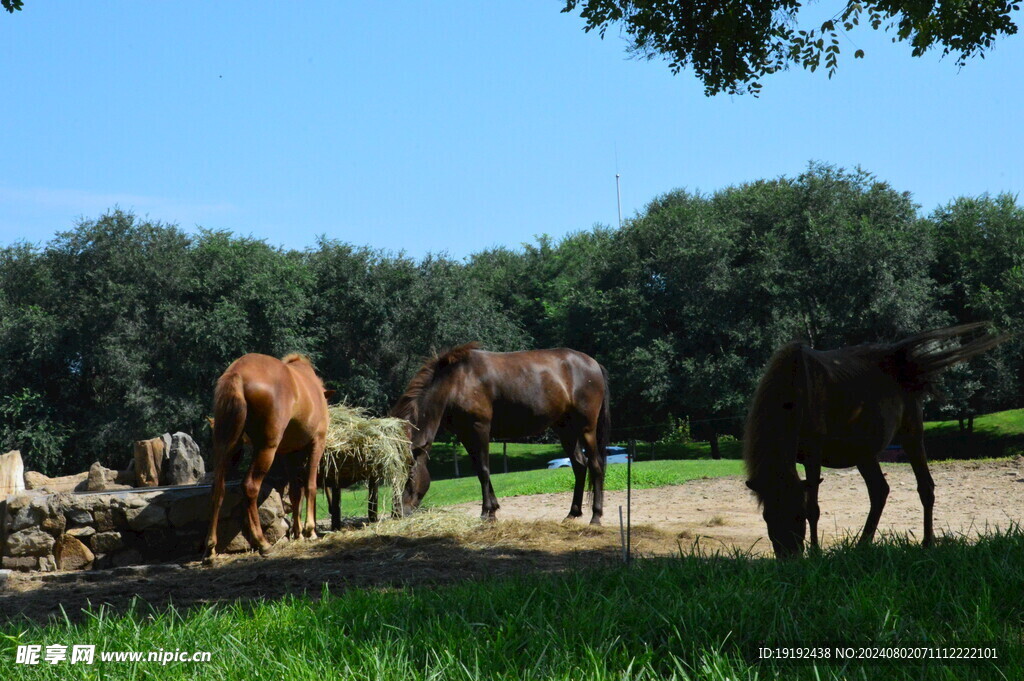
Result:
[478,395]
[280,407]
[331,484]
[841,408]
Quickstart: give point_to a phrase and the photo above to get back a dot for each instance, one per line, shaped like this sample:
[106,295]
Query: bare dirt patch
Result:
[970,498]
[454,546]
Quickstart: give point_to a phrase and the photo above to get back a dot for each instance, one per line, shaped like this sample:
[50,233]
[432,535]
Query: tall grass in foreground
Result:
[681,618]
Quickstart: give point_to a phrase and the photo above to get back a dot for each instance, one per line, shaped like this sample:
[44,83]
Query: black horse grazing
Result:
[841,408]
[478,395]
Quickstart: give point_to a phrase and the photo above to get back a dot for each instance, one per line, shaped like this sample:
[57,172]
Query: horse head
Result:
[418,482]
[785,513]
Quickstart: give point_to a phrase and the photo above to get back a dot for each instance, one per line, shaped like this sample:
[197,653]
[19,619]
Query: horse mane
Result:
[296,358]
[781,394]
[408,404]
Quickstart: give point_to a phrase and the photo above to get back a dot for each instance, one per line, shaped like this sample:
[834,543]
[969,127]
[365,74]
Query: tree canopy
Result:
[732,45]
[117,329]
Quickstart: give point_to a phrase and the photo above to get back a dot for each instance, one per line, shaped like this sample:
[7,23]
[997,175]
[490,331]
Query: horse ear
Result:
[328,394]
[210,419]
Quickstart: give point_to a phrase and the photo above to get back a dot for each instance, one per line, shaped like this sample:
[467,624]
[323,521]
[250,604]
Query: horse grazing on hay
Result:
[279,406]
[841,408]
[478,395]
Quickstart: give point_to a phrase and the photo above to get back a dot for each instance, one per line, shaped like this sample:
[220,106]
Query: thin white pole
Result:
[618,198]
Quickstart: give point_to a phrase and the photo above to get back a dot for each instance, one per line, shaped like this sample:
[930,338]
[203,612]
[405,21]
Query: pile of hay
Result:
[362,448]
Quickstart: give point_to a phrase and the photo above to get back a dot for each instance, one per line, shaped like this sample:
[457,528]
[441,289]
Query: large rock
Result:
[71,554]
[30,542]
[102,479]
[183,464]
[24,563]
[105,542]
[12,474]
[149,461]
[145,517]
[66,483]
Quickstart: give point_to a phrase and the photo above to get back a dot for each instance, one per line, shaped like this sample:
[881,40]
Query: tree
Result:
[12,5]
[376,316]
[979,257]
[731,44]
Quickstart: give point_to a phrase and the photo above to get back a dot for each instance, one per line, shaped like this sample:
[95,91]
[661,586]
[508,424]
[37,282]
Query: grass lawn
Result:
[559,480]
[686,617]
[995,435]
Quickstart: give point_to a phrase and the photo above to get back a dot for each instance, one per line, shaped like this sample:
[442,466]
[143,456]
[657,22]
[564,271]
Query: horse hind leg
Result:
[570,444]
[295,487]
[261,462]
[316,452]
[226,460]
[914,447]
[813,471]
[596,465]
[878,492]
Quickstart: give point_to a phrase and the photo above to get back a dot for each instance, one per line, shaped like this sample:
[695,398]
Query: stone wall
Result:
[81,531]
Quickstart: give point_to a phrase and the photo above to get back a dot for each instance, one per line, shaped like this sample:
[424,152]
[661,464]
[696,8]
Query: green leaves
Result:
[731,45]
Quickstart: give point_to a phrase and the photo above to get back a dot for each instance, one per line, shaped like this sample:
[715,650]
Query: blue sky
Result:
[444,126]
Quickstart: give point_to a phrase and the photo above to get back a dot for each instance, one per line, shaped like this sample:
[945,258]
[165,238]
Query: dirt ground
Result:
[970,497]
[453,545]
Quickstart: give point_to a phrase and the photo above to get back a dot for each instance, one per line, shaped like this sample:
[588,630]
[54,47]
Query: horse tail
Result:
[919,359]
[604,428]
[229,412]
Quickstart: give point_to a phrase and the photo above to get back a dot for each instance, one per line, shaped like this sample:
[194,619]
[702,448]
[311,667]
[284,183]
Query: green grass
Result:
[560,480]
[995,436]
[529,457]
[678,618]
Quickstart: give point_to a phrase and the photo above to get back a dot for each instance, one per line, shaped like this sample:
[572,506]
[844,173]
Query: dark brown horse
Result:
[280,407]
[841,408]
[479,395]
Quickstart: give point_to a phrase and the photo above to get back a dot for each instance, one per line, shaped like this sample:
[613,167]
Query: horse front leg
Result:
[372,486]
[878,492]
[477,442]
[333,493]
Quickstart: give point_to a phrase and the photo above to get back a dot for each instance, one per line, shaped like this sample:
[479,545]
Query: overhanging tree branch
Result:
[731,44]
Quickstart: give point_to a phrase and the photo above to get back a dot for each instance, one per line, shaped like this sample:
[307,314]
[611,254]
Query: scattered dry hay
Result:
[363,448]
[474,534]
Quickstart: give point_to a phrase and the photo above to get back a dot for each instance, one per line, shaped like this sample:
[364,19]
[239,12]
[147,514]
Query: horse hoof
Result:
[210,560]
[571,518]
[595,521]
[265,549]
